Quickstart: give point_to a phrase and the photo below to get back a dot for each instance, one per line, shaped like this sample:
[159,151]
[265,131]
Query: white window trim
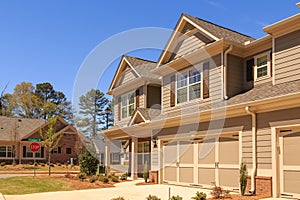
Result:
[6,151]
[201,82]
[268,66]
[36,154]
[126,94]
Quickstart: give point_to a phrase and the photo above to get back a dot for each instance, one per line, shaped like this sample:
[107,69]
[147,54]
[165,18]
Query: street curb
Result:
[1,197]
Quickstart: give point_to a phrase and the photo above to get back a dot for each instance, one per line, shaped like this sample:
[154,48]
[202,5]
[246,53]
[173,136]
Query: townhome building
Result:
[214,99]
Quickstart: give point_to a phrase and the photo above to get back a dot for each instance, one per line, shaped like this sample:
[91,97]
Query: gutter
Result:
[225,72]
[254,164]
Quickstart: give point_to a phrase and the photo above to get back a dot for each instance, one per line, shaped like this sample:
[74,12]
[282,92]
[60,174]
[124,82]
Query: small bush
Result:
[81,176]
[218,192]
[88,163]
[58,164]
[43,164]
[200,196]
[2,164]
[243,178]
[67,175]
[93,179]
[30,163]
[115,179]
[176,198]
[105,180]
[152,197]
[118,198]
[123,177]
[14,164]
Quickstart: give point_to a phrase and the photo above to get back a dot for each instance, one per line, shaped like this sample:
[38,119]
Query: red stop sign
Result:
[35,147]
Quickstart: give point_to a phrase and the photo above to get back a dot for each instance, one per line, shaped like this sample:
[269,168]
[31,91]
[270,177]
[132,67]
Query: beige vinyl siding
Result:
[127,76]
[215,90]
[287,57]
[235,75]
[189,44]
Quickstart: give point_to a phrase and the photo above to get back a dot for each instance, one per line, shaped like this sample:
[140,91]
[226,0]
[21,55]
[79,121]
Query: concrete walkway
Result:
[128,190]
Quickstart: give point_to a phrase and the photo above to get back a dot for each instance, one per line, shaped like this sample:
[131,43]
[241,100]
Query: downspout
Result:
[254,164]
[225,72]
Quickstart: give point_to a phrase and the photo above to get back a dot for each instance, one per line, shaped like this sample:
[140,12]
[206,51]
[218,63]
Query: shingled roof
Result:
[142,66]
[22,126]
[219,31]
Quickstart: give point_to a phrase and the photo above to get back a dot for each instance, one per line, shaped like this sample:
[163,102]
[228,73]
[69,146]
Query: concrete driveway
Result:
[128,190]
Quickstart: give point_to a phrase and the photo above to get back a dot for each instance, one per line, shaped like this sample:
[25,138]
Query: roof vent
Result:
[298,4]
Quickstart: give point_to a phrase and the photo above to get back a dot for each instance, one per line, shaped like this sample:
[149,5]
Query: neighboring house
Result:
[16,133]
[214,99]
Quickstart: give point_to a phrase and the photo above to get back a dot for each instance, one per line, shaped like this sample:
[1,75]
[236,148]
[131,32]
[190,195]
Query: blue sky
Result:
[48,40]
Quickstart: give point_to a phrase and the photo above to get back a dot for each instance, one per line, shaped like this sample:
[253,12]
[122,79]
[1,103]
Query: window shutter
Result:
[42,152]
[137,98]
[206,80]
[250,67]
[24,151]
[119,108]
[172,92]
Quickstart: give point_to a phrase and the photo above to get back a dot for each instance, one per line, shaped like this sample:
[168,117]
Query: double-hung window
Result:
[6,152]
[128,104]
[188,85]
[262,68]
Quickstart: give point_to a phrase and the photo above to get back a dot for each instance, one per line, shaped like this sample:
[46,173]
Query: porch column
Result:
[134,155]
[107,156]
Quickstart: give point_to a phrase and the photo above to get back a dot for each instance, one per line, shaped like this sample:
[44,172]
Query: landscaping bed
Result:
[40,168]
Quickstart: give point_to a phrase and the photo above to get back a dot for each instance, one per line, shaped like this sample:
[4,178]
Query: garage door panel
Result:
[170,150]
[186,152]
[170,173]
[229,177]
[186,175]
[291,148]
[291,181]
[206,176]
[229,151]
[208,150]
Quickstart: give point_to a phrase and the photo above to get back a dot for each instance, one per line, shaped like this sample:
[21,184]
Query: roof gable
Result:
[208,32]
[139,67]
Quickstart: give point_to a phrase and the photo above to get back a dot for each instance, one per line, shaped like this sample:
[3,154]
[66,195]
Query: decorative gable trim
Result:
[135,115]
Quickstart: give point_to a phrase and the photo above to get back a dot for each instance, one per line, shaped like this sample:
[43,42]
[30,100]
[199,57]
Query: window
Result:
[128,104]
[56,150]
[115,157]
[68,150]
[27,153]
[6,152]
[250,74]
[188,85]
[262,68]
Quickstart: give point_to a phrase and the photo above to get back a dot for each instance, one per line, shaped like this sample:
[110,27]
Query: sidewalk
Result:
[128,190]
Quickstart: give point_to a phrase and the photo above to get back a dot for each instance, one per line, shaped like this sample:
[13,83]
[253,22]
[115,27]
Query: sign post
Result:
[34,147]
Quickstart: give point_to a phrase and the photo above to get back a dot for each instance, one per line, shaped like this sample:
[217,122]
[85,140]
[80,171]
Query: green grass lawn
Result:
[28,185]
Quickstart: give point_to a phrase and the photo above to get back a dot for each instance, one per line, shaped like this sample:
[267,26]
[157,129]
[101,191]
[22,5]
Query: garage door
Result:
[290,165]
[183,163]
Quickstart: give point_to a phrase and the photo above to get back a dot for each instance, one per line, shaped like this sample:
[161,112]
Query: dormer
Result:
[134,86]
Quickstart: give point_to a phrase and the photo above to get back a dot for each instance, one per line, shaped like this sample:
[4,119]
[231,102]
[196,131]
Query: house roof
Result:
[22,126]
[140,66]
[220,31]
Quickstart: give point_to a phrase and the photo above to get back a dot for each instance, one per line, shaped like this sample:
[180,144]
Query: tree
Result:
[7,105]
[50,139]
[53,102]
[15,137]
[88,163]
[2,100]
[24,101]
[92,114]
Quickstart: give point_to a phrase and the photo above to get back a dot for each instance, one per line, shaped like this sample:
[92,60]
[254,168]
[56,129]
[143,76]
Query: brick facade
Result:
[263,185]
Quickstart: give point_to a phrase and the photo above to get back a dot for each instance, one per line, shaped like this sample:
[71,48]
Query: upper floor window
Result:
[128,104]
[188,85]
[6,152]
[262,65]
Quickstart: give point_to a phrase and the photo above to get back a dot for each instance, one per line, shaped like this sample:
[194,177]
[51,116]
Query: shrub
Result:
[30,163]
[81,176]
[43,164]
[14,163]
[146,173]
[123,177]
[218,192]
[176,198]
[243,178]
[93,178]
[118,198]
[115,179]
[152,197]
[58,164]
[200,196]
[105,180]
[2,164]
[88,163]
[67,175]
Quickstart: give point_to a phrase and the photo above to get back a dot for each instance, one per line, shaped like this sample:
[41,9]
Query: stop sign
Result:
[35,147]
